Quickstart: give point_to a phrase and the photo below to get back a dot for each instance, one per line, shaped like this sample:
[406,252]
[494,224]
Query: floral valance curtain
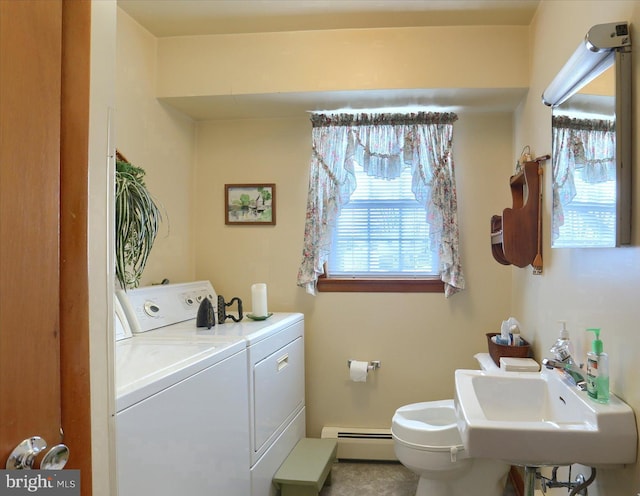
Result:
[584,145]
[383,144]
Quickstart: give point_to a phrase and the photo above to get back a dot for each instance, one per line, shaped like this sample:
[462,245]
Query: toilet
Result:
[427,441]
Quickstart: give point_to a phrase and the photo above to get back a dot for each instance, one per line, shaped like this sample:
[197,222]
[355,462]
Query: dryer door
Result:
[278,391]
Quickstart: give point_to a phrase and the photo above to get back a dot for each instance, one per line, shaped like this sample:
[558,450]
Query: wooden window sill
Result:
[354,285]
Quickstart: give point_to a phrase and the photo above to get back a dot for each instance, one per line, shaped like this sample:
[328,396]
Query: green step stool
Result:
[308,466]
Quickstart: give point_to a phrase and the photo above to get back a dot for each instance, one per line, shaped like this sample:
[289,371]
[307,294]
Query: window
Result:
[382,232]
[381,209]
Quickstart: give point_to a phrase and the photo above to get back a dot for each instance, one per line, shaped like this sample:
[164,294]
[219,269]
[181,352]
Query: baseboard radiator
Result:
[362,444]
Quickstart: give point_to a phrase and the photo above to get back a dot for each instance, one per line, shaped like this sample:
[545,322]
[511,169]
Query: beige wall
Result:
[417,337]
[301,61]
[420,338]
[588,287]
[161,140]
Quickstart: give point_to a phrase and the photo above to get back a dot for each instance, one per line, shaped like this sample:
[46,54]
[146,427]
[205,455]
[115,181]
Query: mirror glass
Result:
[584,166]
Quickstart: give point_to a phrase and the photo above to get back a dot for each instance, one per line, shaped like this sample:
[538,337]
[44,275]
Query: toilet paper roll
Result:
[358,371]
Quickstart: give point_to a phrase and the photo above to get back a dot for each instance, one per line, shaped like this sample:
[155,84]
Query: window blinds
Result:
[382,232]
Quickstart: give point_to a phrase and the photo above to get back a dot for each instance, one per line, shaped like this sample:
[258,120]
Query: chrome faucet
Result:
[575,373]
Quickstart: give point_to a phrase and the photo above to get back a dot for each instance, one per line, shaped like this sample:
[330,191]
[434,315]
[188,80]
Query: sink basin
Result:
[540,418]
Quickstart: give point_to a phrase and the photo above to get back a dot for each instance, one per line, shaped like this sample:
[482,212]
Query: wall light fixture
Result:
[592,57]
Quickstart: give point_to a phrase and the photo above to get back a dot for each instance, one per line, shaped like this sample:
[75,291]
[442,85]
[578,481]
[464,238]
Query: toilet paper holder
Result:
[374,364]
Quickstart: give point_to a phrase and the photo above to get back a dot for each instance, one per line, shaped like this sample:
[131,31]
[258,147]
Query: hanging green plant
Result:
[137,221]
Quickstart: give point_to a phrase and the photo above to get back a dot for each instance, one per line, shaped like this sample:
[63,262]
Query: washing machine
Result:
[273,367]
[181,416]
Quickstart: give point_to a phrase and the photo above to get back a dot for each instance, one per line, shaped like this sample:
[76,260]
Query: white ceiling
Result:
[195,17]
[198,17]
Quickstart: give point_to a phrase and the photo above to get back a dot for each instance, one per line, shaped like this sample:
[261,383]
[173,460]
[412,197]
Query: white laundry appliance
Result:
[274,412]
[181,417]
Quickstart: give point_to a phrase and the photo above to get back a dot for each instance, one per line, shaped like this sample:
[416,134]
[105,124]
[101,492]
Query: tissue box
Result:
[499,350]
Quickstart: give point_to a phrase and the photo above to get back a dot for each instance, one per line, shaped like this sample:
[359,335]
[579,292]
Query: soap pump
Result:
[562,350]
[597,370]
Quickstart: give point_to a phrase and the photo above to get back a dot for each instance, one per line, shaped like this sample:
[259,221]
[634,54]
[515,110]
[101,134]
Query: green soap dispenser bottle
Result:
[597,370]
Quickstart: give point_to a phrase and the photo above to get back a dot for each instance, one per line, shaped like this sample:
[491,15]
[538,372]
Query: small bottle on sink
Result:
[562,350]
[597,370]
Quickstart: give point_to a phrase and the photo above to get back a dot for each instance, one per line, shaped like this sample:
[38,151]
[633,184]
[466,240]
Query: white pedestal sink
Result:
[537,419]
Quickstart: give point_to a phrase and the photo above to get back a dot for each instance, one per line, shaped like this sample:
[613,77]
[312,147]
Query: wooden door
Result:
[44,362]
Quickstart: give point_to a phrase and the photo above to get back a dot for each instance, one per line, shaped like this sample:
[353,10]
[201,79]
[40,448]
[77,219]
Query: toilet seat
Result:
[429,426]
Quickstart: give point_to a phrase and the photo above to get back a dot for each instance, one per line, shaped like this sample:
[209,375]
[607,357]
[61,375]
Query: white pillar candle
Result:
[259,300]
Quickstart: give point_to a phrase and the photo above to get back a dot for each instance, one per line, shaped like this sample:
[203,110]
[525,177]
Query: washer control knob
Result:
[151,309]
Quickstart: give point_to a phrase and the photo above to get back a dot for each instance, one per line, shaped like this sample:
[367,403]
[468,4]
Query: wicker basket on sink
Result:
[500,350]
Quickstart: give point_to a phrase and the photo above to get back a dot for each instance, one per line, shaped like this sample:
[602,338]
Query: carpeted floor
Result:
[379,479]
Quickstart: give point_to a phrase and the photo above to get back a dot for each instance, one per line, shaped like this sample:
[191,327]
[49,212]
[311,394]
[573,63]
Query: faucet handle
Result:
[550,363]
[572,373]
